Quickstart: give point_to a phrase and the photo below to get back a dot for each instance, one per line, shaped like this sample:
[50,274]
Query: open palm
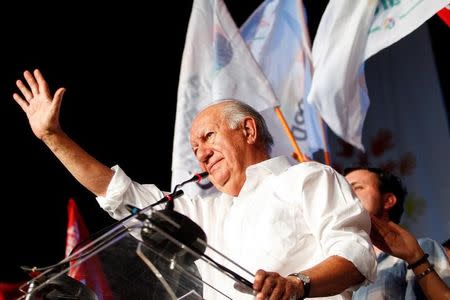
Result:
[41,108]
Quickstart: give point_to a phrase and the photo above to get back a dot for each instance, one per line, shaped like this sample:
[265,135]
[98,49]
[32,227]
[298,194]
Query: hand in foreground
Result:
[395,240]
[42,109]
[273,286]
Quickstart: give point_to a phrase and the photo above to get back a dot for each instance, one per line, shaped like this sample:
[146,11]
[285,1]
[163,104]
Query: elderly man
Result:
[298,228]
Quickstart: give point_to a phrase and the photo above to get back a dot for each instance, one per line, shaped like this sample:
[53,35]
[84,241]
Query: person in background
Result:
[299,229]
[398,276]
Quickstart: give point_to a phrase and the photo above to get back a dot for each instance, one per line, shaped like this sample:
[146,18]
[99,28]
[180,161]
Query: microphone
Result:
[197,178]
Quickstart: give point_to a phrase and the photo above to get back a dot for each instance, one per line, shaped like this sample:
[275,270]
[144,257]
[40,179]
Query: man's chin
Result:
[218,181]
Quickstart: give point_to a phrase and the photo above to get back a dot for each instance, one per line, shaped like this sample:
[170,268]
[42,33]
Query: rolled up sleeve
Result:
[338,220]
[122,190]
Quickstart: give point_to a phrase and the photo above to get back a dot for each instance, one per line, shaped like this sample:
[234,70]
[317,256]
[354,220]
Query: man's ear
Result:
[389,200]
[250,130]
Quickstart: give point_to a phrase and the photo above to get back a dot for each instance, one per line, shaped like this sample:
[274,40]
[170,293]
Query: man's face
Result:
[219,150]
[365,185]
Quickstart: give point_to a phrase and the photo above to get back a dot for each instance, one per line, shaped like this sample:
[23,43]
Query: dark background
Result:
[120,65]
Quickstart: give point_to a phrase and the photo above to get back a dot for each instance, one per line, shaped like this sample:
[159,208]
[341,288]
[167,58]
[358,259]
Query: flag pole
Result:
[326,152]
[298,152]
[307,46]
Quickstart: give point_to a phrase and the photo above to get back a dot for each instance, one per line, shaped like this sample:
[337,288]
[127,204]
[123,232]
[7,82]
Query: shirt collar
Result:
[256,173]
[275,165]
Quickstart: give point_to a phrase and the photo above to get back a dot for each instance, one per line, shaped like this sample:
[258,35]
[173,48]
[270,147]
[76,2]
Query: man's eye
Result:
[357,188]
[209,135]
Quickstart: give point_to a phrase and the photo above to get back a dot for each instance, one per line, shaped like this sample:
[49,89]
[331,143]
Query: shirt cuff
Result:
[116,188]
[362,256]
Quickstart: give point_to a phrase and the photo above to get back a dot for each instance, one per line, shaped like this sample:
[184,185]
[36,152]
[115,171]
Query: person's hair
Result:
[446,244]
[387,183]
[235,111]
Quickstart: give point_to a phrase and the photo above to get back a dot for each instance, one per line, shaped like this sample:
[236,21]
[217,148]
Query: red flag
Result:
[89,272]
[444,14]
[9,291]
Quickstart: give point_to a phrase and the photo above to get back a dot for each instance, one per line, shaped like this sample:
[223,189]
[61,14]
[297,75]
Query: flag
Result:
[444,14]
[395,19]
[216,65]
[90,271]
[9,291]
[288,69]
[349,33]
[338,85]
[405,92]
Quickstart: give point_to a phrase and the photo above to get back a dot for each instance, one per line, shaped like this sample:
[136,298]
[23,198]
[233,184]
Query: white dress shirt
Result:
[285,218]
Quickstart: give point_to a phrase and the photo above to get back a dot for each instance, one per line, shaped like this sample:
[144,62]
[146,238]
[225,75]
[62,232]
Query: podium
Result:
[159,254]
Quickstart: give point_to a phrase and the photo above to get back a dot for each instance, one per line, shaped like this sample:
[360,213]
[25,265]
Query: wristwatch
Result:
[306,283]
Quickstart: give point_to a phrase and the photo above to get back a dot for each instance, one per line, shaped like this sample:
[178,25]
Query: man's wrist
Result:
[422,260]
[306,283]
[414,256]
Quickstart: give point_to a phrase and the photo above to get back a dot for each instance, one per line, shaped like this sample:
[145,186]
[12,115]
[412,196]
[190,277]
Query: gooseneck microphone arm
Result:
[196,178]
[167,198]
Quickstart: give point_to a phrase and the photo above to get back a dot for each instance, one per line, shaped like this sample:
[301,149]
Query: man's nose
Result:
[204,153]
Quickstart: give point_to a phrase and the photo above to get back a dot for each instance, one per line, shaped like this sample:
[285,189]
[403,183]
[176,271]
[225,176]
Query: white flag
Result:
[338,54]
[278,38]
[216,65]
[349,33]
[405,91]
[396,19]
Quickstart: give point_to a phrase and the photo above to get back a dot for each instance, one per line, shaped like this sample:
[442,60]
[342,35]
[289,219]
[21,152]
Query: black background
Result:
[120,65]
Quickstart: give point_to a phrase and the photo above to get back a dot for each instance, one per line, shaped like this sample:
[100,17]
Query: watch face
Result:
[303,277]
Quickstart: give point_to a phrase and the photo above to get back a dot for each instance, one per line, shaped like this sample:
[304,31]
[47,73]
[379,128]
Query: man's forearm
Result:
[92,174]
[333,276]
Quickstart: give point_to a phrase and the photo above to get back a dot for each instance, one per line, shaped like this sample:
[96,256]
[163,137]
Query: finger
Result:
[57,99]
[379,228]
[31,82]
[267,288]
[277,292]
[24,104]
[59,94]
[379,234]
[290,291]
[375,231]
[259,280]
[24,90]
[42,84]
